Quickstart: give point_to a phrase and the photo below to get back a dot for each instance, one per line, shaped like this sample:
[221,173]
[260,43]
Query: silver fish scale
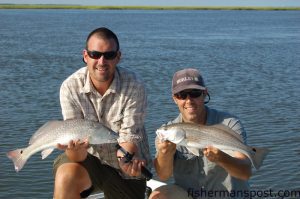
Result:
[219,136]
[52,133]
[63,131]
[205,136]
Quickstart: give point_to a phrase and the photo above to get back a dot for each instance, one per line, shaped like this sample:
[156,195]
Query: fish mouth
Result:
[170,135]
[159,133]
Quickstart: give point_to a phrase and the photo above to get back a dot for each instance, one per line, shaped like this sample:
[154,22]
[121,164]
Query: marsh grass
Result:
[55,6]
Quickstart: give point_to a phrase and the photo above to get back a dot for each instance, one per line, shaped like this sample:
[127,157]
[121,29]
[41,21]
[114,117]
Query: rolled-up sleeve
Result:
[69,107]
[132,127]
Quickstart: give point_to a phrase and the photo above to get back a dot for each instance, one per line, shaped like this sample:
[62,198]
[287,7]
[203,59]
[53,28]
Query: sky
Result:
[273,3]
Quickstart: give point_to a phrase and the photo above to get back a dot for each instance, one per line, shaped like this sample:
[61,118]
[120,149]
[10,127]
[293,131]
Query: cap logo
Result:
[187,79]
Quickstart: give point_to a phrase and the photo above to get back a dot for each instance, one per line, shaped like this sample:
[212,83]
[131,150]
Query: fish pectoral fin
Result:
[91,140]
[229,152]
[46,152]
[193,150]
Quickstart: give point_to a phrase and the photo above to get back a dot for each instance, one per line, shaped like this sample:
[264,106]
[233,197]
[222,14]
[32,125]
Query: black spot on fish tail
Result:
[21,151]
[254,149]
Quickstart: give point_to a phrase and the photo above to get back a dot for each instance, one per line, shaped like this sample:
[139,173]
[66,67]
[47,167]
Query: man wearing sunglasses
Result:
[102,91]
[214,172]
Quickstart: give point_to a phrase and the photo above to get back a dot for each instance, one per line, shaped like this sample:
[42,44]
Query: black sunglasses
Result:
[193,94]
[97,55]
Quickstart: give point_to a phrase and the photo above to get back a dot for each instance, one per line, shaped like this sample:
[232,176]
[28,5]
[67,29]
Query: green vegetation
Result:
[54,6]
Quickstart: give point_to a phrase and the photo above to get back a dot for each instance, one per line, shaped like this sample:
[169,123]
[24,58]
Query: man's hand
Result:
[163,163]
[74,145]
[132,168]
[213,154]
[165,148]
[75,150]
[237,165]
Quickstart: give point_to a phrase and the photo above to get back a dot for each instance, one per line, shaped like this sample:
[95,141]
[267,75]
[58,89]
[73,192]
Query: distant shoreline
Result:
[55,6]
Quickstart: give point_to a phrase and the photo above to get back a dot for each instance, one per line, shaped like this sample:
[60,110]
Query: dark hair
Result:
[103,33]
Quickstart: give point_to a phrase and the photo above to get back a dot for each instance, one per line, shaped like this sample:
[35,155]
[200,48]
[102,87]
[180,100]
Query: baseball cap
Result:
[187,79]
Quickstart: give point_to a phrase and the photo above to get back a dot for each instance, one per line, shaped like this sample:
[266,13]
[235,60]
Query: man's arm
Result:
[76,150]
[69,107]
[132,131]
[163,163]
[132,168]
[238,166]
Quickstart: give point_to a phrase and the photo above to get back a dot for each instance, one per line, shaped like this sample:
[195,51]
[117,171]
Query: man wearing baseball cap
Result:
[212,174]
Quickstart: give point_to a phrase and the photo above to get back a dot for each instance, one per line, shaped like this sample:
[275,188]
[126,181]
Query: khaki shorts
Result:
[107,179]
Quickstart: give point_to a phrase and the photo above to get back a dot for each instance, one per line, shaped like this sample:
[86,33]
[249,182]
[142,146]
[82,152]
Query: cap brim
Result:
[181,88]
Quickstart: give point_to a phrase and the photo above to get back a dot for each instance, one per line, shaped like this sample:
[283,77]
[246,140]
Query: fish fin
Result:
[193,150]
[229,152]
[258,155]
[18,159]
[153,184]
[196,145]
[48,125]
[46,152]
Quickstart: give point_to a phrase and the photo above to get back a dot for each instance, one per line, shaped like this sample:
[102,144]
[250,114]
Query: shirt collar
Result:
[87,85]
[115,84]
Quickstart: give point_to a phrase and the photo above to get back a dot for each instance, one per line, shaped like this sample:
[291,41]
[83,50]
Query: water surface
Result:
[249,59]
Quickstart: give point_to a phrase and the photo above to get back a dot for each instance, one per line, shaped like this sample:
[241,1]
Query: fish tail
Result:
[18,158]
[259,154]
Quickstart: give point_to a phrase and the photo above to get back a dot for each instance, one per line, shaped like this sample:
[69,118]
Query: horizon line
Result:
[79,6]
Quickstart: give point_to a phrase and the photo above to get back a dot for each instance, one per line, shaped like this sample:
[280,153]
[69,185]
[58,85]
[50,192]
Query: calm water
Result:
[250,61]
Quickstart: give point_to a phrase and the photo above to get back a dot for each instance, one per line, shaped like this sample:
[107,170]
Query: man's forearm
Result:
[76,156]
[236,167]
[129,147]
[164,166]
